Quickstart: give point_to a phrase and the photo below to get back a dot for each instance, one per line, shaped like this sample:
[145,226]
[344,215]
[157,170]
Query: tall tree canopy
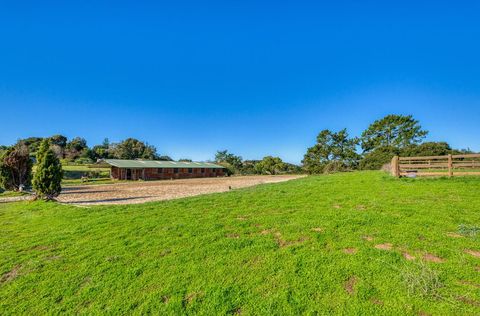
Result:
[331,147]
[132,148]
[396,131]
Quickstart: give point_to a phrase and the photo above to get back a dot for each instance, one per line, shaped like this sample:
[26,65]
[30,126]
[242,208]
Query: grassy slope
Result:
[251,251]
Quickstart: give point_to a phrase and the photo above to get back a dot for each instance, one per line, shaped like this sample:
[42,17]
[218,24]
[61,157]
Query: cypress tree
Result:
[48,175]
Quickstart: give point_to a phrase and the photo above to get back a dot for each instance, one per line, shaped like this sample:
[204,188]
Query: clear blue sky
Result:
[253,77]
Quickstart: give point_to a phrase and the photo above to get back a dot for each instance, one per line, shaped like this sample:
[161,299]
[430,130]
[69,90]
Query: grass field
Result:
[353,243]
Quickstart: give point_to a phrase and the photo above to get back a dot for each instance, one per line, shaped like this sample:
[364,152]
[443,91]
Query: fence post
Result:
[395,170]
[450,165]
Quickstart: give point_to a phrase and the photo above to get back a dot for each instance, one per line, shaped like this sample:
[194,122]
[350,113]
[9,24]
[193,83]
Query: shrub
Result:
[335,166]
[48,175]
[377,158]
[15,168]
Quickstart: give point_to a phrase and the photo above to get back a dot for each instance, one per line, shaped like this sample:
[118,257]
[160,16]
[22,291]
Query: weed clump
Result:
[468,230]
[421,280]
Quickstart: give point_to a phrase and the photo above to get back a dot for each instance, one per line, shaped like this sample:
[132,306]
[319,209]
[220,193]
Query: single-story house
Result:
[157,170]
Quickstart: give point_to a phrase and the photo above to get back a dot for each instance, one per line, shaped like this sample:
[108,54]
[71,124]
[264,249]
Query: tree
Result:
[428,149]
[392,131]
[132,148]
[75,148]
[377,158]
[15,167]
[101,151]
[270,165]
[48,174]
[229,160]
[32,143]
[165,158]
[185,160]
[58,144]
[331,147]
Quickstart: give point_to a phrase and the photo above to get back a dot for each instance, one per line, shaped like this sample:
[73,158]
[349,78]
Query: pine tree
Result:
[49,173]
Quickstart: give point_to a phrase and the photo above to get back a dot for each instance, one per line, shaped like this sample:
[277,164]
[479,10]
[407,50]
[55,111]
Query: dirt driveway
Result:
[140,192]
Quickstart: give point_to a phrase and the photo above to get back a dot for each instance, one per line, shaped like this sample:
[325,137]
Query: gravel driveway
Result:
[140,192]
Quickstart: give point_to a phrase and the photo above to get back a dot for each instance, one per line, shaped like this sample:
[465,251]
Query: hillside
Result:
[359,242]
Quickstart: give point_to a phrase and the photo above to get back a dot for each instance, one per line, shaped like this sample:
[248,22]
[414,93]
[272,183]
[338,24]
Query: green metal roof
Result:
[120,163]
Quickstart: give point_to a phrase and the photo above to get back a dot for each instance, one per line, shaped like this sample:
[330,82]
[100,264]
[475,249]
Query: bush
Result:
[83,161]
[376,159]
[48,175]
[15,168]
[335,166]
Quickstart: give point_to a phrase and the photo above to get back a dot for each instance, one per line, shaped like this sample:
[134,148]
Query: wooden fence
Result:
[450,165]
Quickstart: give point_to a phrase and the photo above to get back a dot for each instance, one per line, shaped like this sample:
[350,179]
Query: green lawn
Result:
[301,247]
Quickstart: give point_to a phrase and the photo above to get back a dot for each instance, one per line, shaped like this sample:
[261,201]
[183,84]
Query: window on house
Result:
[160,170]
[213,170]
[190,170]
[202,170]
[175,170]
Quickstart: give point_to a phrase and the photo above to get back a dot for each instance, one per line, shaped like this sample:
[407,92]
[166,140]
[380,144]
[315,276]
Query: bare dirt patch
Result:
[285,243]
[386,246]
[139,192]
[349,286]
[350,251]
[468,301]
[408,256]
[474,253]
[10,275]
[317,229]
[432,258]
[368,238]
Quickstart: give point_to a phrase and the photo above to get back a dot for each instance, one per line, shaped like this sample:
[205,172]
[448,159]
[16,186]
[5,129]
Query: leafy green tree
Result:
[48,174]
[32,143]
[164,158]
[231,162]
[132,148]
[270,165]
[15,167]
[397,131]
[330,147]
[185,160]
[76,148]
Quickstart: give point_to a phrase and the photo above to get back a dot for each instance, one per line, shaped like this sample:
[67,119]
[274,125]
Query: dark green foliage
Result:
[76,148]
[185,160]
[164,158]
[270,165]
[132,148]
[380,156]
[15,167]
[397,131]
[231,162]
[428,149]
[32,143]
[48,173]
[330,147]
[101,151]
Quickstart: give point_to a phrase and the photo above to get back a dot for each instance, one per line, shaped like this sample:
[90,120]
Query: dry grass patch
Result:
[432,258]
[349,286]
[474,253]
[408,256]
[385,246]
[10,275]
[350,251]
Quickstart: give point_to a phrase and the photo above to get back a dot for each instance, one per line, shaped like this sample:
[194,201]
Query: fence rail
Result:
[449,165]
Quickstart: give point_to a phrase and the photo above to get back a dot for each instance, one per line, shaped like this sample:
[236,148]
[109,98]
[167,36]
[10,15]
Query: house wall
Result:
[166,173]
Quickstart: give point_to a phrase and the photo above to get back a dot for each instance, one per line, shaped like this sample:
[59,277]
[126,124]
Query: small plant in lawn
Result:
[49,173]
[421,280]
[468,230]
